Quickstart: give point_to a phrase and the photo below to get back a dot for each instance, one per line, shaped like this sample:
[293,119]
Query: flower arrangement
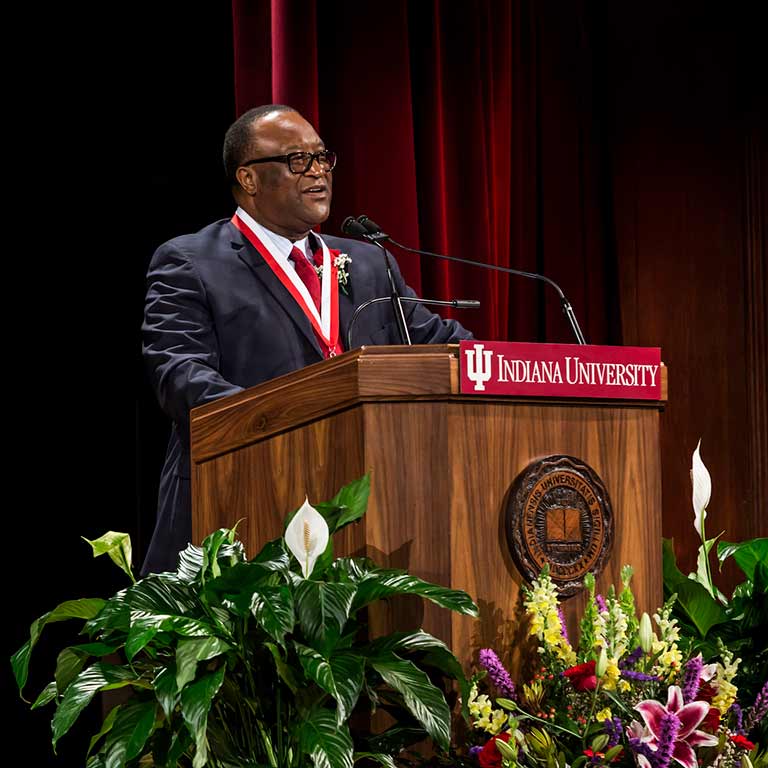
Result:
[624,694]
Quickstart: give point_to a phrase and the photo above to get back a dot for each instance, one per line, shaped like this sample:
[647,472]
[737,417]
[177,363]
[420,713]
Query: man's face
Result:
[284,202]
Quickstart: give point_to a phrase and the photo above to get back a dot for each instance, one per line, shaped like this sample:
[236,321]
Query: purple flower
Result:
[474,750]
[563,626]
[631,658]
[759,708]
[632,674]
[739,715]
[613,729]
[692,677]
[670,729]
[601,604]
[498,674]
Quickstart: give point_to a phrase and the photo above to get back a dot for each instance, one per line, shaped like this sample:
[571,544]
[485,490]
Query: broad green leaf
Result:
[348,505]
[211,546]
[68,665]
[283,670]
[71,609]
[380,757]
[81,690]
[129,733]
[195,705]
[329,744]
[47,694]
[138,638]
[118,547]
[115,616]
[381,583]
[672,574]
[701,609]
[165,689]
[747,554]
[164,593]
[323,610]
[348,672]
[180,625]
[341,677]
[351,569]
[190,652]
[106,727]
[425,702]
[406,642]
[273,608]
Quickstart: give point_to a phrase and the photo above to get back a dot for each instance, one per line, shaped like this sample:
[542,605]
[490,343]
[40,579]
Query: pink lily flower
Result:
[687,737]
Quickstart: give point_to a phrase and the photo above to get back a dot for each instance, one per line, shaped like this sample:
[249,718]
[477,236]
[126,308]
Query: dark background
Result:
[635,176]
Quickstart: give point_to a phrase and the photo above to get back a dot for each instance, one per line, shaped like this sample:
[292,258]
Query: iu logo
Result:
[478,366]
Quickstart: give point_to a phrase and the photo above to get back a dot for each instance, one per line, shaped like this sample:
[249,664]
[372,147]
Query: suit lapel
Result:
[262,271]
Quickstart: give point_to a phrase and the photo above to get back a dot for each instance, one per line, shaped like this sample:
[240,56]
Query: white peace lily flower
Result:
[702,489]
[307,537]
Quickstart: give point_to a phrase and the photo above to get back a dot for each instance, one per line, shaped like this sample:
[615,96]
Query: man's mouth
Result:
[316,190]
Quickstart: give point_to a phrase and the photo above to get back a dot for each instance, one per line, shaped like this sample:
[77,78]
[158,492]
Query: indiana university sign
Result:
[560,370]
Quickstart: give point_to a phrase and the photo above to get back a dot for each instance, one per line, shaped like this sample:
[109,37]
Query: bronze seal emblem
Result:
[558,512]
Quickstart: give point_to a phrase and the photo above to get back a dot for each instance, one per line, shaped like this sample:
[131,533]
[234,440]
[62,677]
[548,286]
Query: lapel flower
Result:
[340,261]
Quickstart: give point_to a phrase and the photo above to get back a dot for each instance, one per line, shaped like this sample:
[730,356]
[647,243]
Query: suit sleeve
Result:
[179,340]
[425,327]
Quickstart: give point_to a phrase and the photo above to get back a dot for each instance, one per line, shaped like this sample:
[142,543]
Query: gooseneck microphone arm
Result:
[374,234]
[350,226]
[455,303]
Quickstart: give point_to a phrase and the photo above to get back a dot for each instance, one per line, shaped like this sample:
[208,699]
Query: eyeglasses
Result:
[301,162]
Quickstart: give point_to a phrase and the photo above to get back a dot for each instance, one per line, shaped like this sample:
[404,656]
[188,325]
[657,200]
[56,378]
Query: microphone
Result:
[352,227]
[373,232]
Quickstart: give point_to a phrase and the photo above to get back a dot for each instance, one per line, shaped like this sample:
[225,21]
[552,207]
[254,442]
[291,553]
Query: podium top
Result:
[367,374]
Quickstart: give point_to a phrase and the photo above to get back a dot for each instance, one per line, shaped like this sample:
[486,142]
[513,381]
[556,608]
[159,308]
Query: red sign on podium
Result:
[560,370]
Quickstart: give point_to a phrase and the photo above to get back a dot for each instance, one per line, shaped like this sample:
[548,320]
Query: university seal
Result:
[558,513]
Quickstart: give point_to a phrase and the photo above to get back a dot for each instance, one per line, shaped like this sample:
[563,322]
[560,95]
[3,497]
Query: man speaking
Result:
[259,295]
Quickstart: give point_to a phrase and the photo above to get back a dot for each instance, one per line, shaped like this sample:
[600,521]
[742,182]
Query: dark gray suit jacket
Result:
[217,320]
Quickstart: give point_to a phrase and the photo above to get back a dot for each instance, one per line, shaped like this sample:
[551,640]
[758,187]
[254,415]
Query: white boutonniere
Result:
[340,261]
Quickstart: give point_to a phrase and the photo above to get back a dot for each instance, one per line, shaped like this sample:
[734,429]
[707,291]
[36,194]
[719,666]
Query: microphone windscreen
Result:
[351,226]
[371,227]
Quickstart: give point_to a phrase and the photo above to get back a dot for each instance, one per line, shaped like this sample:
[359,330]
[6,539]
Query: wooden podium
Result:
[441,466]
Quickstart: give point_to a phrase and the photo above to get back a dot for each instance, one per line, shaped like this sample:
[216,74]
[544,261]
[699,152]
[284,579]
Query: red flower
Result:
[712,720]
[742,743]
[489,756]
[582,676]
[706,692]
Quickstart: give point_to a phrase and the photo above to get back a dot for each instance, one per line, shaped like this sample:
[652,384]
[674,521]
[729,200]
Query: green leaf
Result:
[395,739]
[323,610]
[672,574]
[273,608]
[190,652]
[138,638]
[380,583]
[196,702]
[166,691]
[283,670]
[47,694]
[164,593]
[747,554]
[380,757]
[82,689]
[118,547]
[106,727]
[700,608]
[129,733]
[329,744]
[341,677]
[702,575]
[68,665]
[71,609]
[348,505]
[425,702]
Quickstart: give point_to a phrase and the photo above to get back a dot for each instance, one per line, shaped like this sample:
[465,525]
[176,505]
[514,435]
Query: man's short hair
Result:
[237,140]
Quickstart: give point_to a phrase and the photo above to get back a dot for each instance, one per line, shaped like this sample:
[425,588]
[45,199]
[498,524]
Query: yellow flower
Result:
[604,714]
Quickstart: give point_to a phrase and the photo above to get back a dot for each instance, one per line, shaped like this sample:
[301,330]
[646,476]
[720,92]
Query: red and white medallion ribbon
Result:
[325,322]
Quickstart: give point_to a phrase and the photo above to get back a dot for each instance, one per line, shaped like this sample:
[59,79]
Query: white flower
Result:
[702,489]
[307,536]
[342,274]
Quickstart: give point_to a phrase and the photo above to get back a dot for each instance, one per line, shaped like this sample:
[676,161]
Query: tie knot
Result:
[296,255]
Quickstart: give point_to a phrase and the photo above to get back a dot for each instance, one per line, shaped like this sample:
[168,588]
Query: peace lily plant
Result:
[237,663]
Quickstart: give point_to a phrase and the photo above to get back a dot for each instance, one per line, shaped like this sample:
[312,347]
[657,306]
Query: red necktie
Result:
[307,274]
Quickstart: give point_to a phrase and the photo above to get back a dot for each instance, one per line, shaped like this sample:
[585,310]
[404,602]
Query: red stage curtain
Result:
[465,128]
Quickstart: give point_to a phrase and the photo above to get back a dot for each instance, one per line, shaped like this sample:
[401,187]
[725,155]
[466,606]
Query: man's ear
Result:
[248,180]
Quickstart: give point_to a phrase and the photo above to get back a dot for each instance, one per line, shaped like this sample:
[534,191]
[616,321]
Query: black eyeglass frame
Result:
[310,162]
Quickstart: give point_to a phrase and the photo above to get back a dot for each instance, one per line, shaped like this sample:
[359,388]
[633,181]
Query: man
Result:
[241,301]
